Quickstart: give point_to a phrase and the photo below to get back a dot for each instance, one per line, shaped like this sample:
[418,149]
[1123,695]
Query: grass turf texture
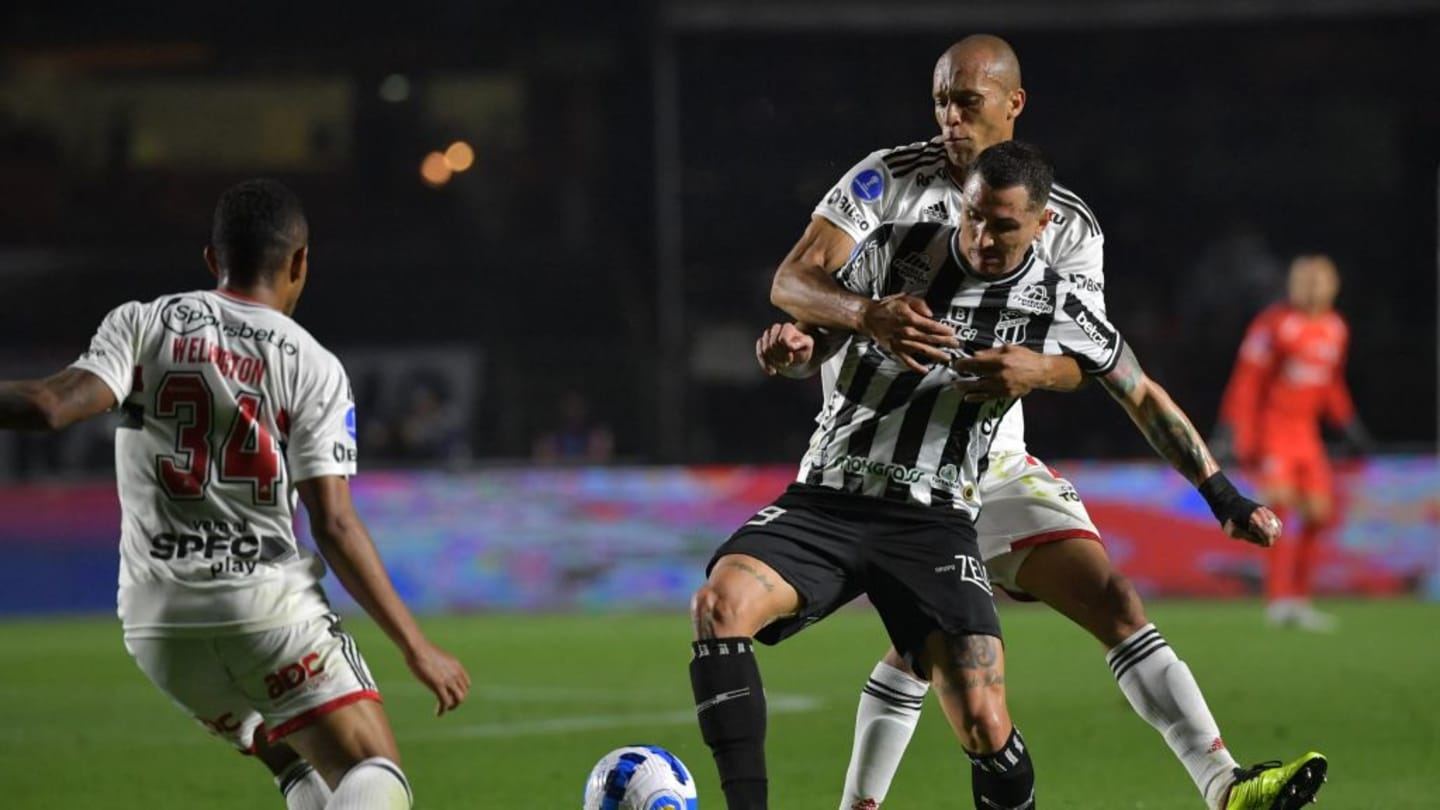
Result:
[80,727]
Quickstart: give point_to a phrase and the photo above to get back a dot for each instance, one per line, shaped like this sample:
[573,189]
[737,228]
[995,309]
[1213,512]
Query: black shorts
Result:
[920,567]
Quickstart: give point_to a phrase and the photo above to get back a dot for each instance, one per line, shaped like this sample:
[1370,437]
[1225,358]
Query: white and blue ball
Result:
[640,777]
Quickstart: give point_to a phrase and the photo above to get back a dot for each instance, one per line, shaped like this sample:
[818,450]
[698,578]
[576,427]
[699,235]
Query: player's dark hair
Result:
[259,224]
[1016,163]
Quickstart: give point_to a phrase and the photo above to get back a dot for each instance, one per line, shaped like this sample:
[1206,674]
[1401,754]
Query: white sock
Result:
[884,722]
[302,787]
[1161,689]
[373,784]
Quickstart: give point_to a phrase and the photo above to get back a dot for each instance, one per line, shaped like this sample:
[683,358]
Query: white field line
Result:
[777,704]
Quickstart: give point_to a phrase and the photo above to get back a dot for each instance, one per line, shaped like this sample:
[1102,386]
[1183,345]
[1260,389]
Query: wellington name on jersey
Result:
[892,433]
[912,184]
[227,403]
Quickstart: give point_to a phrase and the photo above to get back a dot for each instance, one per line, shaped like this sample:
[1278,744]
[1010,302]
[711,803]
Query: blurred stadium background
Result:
[543,236]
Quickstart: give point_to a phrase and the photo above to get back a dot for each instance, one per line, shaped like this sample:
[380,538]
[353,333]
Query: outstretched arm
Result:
[345,542]
[55,402]
[1171,433]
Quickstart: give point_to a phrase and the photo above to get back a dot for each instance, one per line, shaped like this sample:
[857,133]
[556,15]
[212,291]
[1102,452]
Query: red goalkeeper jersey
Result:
[1290,374]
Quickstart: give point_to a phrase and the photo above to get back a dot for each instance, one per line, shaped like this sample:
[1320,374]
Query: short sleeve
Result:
[114,348]
[322,423]
[1086,335]
[1077,252]
[864,272]
[862,199]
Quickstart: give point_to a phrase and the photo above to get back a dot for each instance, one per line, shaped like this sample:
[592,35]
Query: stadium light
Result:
[435,170]
[395,88]
[459,156]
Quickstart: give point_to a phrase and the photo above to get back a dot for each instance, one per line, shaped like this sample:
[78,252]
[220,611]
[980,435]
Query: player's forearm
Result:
[810,293]
[1061,373]
[1170,432]
[1163,424]
[26,405]
[351,554]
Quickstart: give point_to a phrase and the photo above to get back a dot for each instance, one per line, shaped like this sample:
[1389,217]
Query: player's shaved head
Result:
[977,94]
[259,225]
[987,54]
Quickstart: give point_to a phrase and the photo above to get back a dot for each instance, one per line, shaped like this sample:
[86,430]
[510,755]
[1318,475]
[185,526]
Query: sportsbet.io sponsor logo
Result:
[183,316]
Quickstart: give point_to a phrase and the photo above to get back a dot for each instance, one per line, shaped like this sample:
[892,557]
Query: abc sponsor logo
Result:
[292,676]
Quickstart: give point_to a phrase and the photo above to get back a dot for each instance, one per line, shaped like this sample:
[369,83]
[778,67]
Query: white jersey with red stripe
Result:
[913,183]
[227,404]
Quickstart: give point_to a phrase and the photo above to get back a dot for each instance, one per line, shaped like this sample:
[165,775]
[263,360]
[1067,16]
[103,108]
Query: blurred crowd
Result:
[538,274]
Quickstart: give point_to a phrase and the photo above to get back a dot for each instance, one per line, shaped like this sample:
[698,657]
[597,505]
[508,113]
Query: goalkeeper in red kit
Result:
[1290,374]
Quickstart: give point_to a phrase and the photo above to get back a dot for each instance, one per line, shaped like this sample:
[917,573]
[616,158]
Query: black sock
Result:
[730,705]
[1004,780]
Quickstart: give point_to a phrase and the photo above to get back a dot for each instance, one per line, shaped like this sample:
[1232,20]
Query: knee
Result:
[718,612]
[985,726]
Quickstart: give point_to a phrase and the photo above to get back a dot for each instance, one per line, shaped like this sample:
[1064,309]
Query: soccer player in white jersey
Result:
[230,409]
[1035,533]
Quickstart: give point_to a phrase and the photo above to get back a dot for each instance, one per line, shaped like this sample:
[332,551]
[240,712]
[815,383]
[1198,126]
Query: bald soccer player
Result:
[1035,535]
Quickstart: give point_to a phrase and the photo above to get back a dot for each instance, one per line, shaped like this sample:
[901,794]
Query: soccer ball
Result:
[640,777]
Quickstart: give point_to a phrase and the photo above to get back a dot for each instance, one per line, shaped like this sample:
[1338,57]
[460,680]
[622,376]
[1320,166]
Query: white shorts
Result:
[276,681]
[1024,503]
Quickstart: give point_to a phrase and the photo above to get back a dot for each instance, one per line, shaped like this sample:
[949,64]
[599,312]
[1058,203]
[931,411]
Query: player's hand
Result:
[1005,372]
[783,347]
[905,327]
[1262,528]
[441,674]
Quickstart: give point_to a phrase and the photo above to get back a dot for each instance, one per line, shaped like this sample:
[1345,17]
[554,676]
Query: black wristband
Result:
[1225,501]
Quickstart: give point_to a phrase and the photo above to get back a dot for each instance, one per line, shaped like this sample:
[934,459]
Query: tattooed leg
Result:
[742,595]
[969,677]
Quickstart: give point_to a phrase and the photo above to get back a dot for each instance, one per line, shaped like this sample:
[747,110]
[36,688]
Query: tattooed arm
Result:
[1170,432]
[1165,426]
[53,403]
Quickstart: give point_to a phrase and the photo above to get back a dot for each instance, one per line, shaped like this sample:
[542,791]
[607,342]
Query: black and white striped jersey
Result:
[912,183]
[892,433]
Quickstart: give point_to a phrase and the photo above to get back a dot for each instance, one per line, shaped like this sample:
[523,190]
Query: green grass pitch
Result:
[81,728]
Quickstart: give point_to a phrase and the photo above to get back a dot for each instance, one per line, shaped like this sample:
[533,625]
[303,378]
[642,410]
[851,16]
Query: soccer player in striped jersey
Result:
[231,410]
[1035,534]
[887,495]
